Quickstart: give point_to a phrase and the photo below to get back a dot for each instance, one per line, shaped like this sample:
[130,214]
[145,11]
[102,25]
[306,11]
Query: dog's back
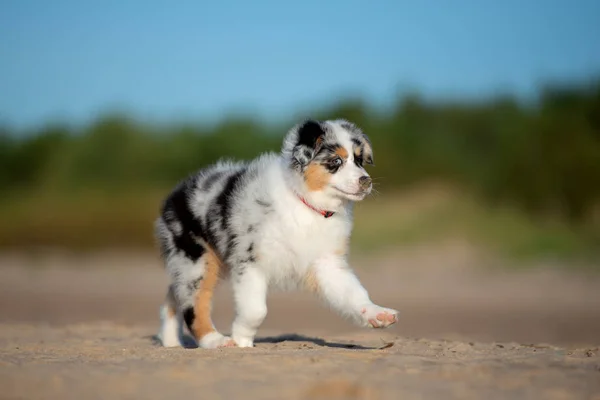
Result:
[198,209]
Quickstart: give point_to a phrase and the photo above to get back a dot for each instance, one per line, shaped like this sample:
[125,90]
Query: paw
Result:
[169,340]
[244,341]
[375,316]
[215,340]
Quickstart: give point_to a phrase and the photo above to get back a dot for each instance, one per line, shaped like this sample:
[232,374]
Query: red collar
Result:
[325,214]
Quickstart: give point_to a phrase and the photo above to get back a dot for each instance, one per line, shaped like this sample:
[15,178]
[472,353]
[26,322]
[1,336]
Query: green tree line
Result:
[542,156]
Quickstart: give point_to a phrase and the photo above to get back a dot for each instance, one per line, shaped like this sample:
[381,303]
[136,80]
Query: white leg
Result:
[171,329]
[250,294]
[340,288]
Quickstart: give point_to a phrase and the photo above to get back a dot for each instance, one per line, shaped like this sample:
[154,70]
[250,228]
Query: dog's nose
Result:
[364,181]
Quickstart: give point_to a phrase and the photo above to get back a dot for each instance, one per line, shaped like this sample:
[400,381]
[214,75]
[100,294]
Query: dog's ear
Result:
[310,135]
[362,138]
[367,150]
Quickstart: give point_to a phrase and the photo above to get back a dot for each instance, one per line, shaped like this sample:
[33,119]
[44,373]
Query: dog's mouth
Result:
[358,195]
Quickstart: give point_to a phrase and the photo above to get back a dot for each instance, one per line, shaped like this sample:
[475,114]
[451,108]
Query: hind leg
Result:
[198,318]
[194,282]
[171,330]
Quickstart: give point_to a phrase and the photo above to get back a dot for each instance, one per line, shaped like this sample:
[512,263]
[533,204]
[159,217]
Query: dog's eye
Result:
[336,162]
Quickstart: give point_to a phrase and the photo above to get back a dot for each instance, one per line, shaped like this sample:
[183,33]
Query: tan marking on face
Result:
[202,307]
[357,151]
[342,152]
[316,177]
[310,281]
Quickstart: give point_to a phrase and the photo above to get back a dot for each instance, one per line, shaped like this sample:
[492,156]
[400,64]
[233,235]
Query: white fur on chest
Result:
[294,237]
[290,247]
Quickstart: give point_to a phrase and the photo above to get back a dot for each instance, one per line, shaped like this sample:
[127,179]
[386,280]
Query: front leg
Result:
[333,280]
[250,295]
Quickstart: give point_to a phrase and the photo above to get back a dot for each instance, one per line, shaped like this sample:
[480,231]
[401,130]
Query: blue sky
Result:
[69,60]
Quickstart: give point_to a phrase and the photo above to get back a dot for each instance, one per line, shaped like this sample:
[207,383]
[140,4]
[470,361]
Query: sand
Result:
[74,327]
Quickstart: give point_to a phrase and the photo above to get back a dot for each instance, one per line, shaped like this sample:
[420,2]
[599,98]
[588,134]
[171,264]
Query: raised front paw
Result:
[375,316]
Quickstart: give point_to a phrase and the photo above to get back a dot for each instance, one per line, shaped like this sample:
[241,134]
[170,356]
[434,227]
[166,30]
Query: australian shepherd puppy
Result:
[282,220]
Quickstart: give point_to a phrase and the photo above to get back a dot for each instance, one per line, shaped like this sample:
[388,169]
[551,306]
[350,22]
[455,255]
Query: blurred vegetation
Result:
[102,184]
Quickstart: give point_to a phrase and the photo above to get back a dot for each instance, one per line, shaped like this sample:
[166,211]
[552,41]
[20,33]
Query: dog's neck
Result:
[319,201]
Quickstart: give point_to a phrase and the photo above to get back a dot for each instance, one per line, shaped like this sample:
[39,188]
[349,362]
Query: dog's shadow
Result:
[294,337]
[189,343]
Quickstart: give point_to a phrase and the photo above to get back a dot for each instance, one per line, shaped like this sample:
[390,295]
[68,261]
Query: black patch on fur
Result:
[224,198]
[177,210]
[307,143]
[189,316]
[192,249]
[309,132]
[224,202]
[250,228]
[357,142]
[358,160]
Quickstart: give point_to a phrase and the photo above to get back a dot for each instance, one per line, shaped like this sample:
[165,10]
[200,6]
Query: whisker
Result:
[375,192]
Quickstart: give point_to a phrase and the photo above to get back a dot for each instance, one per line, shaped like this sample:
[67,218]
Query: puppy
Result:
[282,220]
